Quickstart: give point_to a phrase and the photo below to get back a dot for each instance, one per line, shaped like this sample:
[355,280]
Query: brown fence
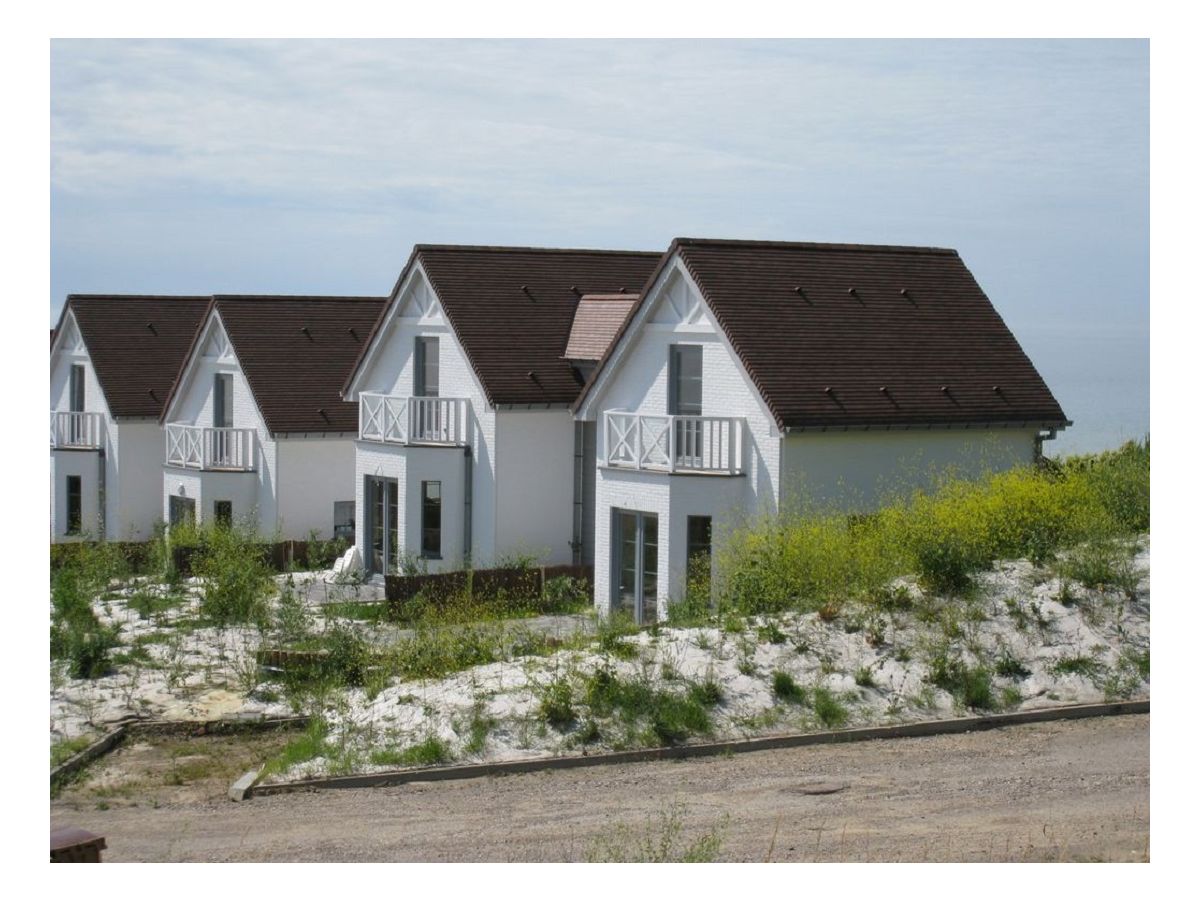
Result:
[517,586]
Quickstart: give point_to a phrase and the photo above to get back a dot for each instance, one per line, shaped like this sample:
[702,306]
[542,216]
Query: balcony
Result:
[433,421]
[211,449]
[76,430]
[707,445]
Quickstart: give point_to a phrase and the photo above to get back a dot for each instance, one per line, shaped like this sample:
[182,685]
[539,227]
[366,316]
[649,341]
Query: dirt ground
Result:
[1051,791]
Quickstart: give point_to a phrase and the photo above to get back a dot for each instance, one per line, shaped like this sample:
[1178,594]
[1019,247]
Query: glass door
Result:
[635,588]
[382,525]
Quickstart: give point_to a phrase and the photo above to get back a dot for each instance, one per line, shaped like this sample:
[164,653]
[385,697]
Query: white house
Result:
[467,448]
[254,429]
[112,362]
[756,376]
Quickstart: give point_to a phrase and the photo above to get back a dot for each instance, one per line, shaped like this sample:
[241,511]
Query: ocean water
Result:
[1101,379]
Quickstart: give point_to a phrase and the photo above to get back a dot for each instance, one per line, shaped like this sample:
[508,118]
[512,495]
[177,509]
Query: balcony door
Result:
[635,564]
[382,495]
[75,422]
[222,452]
[427,417]
[687,399]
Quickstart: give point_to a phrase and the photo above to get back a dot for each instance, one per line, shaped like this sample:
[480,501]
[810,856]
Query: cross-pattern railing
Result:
[76,430]
[223,449]
[709,444]
[412,420]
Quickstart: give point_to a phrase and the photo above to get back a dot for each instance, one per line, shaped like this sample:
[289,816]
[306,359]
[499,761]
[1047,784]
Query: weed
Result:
[660,841]
[771,633]
[556,708]
[863,677]
[1010,697]
[429,752]
[1009,666]
[969,685]
[829,710]
[784,687]
[1076,664]
[307,746]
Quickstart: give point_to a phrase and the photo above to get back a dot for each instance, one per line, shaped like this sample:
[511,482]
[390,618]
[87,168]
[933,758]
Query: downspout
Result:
[577,511]
[468,475]
[101,496]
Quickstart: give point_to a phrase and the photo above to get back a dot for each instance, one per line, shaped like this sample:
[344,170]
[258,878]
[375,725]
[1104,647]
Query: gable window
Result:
[76,398]
[687,393]
[222,400]
[425,374]
[431,519]
[222,441]
[687,399]
[74,504]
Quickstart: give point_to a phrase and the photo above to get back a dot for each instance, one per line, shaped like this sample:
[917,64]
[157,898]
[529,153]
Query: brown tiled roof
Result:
[598,318]
[512,308]
[858,335]
[136,344]
[295,353]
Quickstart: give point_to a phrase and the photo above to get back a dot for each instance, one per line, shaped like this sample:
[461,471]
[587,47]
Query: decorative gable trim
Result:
[673,302]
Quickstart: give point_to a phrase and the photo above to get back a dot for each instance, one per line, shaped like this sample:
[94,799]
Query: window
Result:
[431,519]
[181,510]
[223,512]
[74,504]
[425,374]
[686,376]
[699,537]
[343,520]
[222,400]
[76,397]
[698,586]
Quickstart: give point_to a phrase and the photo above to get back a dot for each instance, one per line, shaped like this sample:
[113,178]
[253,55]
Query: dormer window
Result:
[425,374]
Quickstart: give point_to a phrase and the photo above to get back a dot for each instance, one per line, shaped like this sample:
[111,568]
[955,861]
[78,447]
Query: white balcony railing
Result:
[412,420]
[221,449]
[702,444]
[76,430]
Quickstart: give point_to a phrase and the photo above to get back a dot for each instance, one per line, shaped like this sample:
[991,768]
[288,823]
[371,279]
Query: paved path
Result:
[1077,790]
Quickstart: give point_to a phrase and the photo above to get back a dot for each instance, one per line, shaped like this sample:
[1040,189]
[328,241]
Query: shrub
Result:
[348,656]
[564,594]
[236,577]
[76,633]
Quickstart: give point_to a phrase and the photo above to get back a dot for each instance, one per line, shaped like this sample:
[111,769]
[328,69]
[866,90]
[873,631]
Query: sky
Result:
[314,166]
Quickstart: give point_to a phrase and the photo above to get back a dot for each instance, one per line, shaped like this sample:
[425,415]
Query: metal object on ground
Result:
[71,844]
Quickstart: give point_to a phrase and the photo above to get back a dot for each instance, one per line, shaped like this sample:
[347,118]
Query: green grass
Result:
[310,745]
[61,751]
[784,687]
[829,710]
[431,751]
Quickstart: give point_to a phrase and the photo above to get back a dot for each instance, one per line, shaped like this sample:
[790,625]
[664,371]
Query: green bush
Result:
[76,633]
[556,707]
[818,560]
[236,579]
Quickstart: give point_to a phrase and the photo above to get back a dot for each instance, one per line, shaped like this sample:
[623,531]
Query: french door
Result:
[382,495]
[635,564]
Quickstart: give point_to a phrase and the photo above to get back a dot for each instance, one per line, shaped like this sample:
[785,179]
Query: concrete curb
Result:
[109,741]
[239,789]
[95,750]
[749,745]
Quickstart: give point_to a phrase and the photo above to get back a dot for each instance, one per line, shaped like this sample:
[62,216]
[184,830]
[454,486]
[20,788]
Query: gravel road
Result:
[1075,790]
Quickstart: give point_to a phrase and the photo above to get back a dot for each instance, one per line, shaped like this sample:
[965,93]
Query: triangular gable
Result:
[68,338]
[673,301]
[212,343]
[414,301]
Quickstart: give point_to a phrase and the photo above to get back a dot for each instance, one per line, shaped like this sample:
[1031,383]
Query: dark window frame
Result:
[422,364]
[74,488]
[431,535]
